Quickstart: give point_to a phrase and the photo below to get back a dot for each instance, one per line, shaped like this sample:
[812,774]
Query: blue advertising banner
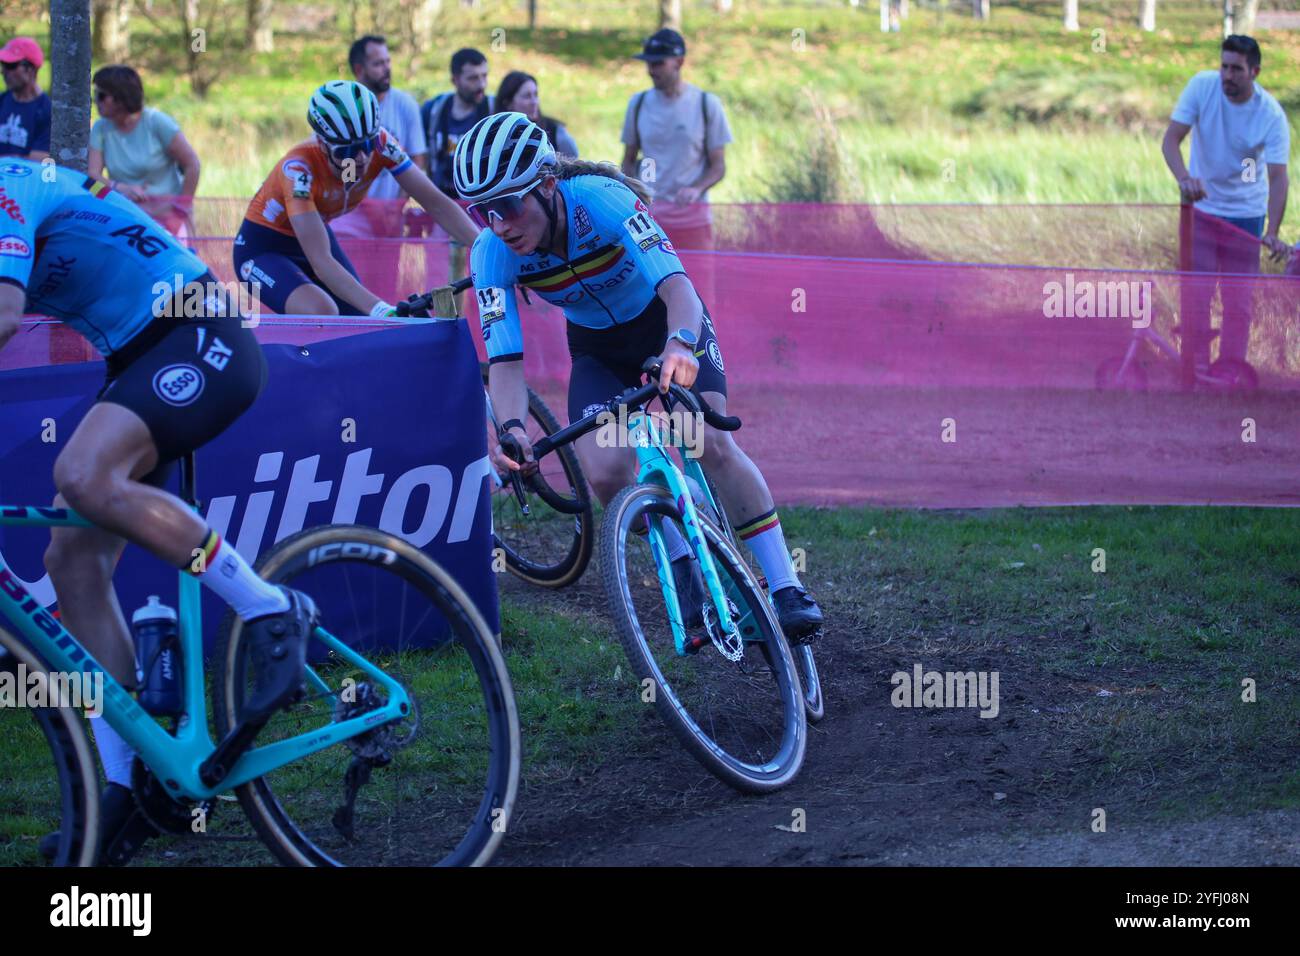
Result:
[384,429]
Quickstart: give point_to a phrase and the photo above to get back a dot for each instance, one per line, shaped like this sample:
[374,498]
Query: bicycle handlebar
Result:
[632,399]
[423,303]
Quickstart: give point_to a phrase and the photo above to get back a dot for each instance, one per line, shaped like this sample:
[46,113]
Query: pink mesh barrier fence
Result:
[948,356]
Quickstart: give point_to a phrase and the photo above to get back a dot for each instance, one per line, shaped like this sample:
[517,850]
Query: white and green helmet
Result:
[343,111]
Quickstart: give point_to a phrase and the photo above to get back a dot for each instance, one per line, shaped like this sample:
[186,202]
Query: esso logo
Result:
[15,246]
[246,269]
[295,168]
[178,384]
[641,206]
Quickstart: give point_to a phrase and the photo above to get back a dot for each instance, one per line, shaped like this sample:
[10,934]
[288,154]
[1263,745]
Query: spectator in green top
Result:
[147,156]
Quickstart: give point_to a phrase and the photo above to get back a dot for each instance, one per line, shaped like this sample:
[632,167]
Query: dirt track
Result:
[886,786]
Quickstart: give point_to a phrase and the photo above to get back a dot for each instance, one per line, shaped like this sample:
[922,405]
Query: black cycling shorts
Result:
[278,265]
[607,362]
[188,379]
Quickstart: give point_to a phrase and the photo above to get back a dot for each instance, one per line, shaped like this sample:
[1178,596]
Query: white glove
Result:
[382,310]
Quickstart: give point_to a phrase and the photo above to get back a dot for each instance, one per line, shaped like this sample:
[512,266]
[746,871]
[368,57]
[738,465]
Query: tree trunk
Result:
[417,18]
[1244,21]
[532,14]
[111,30]
[981,9]
[258,34]
[70,82]
[1227,18]
[1071,14]
[884,16]
[722,6]
[670,14]
[1147,15]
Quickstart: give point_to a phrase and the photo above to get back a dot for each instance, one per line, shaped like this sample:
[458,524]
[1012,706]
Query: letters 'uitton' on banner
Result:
[382,429]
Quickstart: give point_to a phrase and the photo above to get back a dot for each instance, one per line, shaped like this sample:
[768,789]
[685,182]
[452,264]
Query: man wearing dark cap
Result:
[675,137]
[25,110]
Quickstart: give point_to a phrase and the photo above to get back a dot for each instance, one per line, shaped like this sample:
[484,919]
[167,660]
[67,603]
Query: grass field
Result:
[823,106]
[1147,658]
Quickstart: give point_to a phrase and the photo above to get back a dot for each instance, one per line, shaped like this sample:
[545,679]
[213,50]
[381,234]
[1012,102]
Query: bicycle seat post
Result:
[188,478]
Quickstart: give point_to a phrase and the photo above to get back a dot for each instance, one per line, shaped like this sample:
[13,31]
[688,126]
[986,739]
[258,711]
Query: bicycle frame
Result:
[657,467]
[174,760]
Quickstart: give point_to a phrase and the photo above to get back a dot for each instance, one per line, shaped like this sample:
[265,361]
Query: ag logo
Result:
[178,384]
[139,240]
[13,169]
[715,355]
[15,246]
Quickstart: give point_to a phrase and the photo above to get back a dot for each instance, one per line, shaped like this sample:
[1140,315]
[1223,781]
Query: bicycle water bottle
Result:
[158,658]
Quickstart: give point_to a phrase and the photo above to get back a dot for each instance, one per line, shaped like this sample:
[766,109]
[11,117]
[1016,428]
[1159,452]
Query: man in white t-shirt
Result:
[400,115]
[675,137]
[1238,183]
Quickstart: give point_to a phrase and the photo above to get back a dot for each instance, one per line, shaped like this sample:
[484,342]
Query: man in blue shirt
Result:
[25,109]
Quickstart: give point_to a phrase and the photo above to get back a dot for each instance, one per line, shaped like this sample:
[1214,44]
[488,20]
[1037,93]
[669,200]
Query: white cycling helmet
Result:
[502,154]
[343,111]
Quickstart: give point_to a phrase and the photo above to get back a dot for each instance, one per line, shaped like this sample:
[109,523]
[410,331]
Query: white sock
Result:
[114,752]
[236,583]
[764,537]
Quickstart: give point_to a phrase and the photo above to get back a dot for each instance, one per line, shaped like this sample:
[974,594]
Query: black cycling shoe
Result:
[691,593]
[277,651]
[798,613]
[123,829]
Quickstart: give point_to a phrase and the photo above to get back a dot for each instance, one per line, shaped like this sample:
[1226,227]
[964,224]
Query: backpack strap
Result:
[704,110]
[636,117]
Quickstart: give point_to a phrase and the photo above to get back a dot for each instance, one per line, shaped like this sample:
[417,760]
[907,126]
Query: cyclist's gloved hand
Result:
[504,463]
[382,310]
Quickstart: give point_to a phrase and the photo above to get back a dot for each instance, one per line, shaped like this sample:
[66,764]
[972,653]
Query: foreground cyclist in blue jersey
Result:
[73,249]
[579,235]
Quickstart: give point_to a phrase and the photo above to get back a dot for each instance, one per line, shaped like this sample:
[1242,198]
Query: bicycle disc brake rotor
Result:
[375,745]
[730,646]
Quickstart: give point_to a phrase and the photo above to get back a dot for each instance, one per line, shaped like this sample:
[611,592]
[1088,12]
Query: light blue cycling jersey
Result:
[84,254]
[617,257]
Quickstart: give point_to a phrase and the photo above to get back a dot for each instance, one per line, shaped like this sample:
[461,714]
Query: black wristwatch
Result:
[687,338]
[513,423]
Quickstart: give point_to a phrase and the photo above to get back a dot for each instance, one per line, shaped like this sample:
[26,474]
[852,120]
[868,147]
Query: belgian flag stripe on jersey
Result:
[587,267]
[97,188]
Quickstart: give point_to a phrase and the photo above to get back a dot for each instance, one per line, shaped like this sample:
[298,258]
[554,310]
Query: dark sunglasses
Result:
[349,150]
[506,208]
[14,66]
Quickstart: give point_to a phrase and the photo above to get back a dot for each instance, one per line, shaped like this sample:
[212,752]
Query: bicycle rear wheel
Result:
[545,547]
[743,720]
[42,794]
[434,788]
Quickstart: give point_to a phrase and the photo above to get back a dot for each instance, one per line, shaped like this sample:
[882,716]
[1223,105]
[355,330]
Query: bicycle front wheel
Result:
[545,547]
[436,787]
[743,720]
[42,789]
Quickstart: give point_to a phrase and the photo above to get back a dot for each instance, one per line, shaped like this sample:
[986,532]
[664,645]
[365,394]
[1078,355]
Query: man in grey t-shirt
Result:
[675,137]
[400,115]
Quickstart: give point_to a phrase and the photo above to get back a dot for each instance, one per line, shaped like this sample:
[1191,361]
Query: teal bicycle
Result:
[729,688]
[407,755]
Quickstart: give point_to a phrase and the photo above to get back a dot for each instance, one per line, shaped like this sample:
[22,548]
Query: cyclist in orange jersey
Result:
[285,245]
